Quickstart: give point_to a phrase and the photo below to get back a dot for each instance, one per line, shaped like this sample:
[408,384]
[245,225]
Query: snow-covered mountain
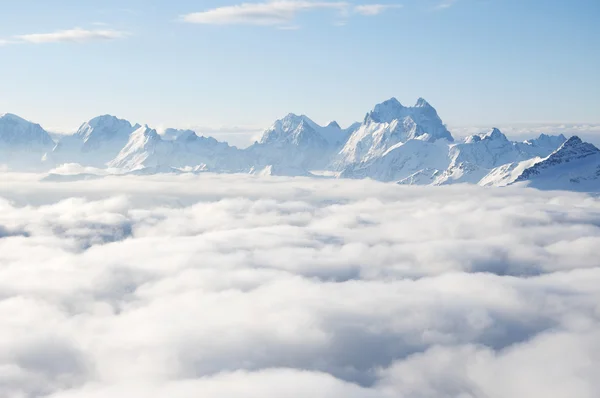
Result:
[298,143]
[404,161]
[394,143]
[147,149]
[23,144]
[474,158]
[574,166]
[388,124]
[95,143]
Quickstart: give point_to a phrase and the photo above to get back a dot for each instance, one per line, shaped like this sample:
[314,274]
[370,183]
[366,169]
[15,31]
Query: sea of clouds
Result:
[241,286]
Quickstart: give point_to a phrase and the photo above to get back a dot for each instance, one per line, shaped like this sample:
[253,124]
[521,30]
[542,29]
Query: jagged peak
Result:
[422,103]
[334,124]
[573,142]
[386,111]
[547,140]
[186,135]
[546,137]
[294,117]
[390,102]
[571,150]
[105,126]
[494,134]
[574,147]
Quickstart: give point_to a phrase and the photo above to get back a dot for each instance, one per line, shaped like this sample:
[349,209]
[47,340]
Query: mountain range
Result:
[394,143]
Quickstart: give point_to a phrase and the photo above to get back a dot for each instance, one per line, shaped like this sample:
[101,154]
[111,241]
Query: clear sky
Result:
[208,63]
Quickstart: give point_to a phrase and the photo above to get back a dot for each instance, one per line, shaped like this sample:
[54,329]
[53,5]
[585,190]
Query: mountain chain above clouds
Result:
[394,143]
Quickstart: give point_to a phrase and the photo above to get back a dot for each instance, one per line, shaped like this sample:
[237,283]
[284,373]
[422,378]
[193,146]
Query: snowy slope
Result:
[23,144]
[147,149]
[574,166]
[298,143]
[404,161]
[507,173]
[478,155]
[95,143]
[407,145]
[388,124]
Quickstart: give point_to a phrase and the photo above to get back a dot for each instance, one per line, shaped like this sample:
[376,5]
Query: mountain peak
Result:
[572,152]
[18,132]
[334,124]
[571,149]
[105,127]
[422,103]
[386,111]
[573,142]
[106,120]
[494,134]
[12,117]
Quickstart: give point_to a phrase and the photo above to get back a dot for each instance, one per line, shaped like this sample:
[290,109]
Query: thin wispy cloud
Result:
[374,9]
[77,35]
[445,4]
[276,13]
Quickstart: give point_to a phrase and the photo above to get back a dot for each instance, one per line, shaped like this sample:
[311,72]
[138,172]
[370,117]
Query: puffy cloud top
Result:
[240,286]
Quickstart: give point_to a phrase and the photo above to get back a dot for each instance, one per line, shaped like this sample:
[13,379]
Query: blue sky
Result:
[200,63]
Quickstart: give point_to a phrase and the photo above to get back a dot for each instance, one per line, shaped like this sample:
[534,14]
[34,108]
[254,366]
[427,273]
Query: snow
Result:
[394,143]
[388,124]
[23,144]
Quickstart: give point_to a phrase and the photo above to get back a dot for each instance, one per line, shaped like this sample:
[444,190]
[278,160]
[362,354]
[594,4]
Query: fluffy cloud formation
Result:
[240,286]
[278,12]
[77,35]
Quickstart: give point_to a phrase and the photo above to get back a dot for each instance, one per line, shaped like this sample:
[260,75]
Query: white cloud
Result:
[445,4]
[270,13]
[240,286]
[374,9]
[77,35]
[279,12]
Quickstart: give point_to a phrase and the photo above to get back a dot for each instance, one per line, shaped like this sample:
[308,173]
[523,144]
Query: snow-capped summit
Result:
[296,142]
[422,103]
[386,112]
[95,143]
[23,144]
[388,124]
[333,124]
[573,166]
[572,150]
[492,134]
[146,149]
[174,134]
[17,132]
[102,128]
[296,129]
[479,154]
[545,140]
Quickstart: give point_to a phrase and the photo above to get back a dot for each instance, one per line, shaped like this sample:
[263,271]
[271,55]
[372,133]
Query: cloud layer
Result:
[242,286]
